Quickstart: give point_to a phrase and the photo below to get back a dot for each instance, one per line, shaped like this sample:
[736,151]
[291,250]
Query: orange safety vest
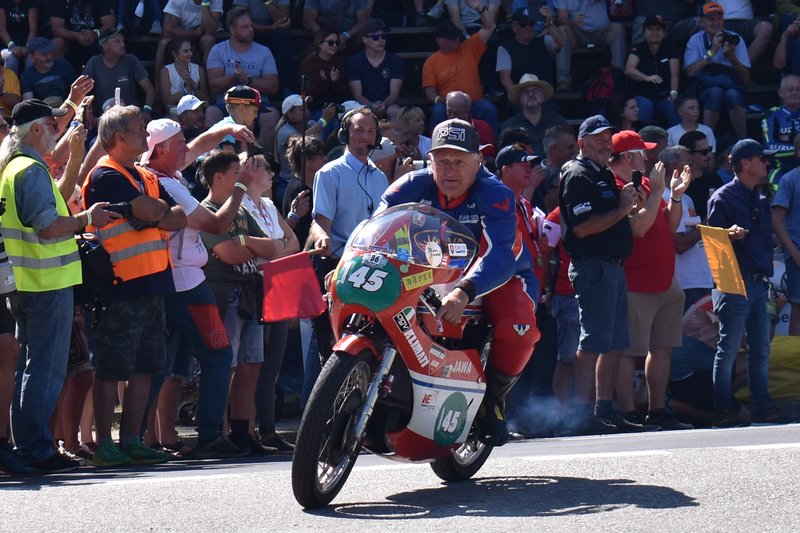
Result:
[134,253]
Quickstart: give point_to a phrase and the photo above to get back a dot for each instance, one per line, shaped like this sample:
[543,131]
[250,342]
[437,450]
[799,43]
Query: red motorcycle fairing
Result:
[355,344]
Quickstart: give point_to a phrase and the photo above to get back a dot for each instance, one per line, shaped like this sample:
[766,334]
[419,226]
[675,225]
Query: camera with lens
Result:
[338,107]
[730,38]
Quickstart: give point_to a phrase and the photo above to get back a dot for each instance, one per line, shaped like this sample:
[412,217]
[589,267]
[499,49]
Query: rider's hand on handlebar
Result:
[453,306]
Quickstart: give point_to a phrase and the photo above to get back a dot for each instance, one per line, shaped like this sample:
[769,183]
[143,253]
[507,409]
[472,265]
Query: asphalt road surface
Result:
[742,479]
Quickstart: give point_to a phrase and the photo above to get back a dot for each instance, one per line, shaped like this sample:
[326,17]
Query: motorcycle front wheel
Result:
[325,451]
[464,462]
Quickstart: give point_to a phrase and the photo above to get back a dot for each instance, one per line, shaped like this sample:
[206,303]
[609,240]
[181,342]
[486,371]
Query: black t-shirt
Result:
[588,190]
[108,185]
[17,18]
[80,14]
[649,65]
[701,189]
[304,224]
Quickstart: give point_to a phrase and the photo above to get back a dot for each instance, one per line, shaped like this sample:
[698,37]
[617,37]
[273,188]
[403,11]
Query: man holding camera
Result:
[655,300]
[717,60]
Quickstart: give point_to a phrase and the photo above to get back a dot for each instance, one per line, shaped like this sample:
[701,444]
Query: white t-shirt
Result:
[266,214]
[188,12]
[675,133]
[691,267]
[186,249]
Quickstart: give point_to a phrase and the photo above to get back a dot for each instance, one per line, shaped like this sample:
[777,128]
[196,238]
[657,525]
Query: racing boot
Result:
[491,418]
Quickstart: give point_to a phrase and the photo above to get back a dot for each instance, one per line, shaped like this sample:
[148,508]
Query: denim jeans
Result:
[738,315]
[664,107]
[44,326]
[195,315]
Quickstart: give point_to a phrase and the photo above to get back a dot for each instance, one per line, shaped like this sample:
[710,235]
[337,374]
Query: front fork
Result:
[388,355]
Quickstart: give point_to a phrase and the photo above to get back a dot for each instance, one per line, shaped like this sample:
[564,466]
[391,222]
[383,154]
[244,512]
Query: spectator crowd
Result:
[139,205]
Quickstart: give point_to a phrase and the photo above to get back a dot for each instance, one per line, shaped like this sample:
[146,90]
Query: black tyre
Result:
[322,460]
[464,462]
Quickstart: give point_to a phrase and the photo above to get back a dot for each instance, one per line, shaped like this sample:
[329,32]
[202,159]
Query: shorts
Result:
[130,338]
[565,312]
[792,280]
[696,390]
[655,320]
[245,335]
[601,292]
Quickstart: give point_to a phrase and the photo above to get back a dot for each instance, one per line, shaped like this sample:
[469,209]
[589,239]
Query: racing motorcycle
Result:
[400,383]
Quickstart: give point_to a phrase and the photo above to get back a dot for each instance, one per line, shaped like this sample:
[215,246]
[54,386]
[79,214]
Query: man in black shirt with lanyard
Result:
[597,235]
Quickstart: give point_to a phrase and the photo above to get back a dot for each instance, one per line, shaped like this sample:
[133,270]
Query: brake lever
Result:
[432,302]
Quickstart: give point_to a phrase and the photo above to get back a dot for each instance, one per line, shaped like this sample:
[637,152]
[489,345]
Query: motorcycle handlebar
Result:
[430,297]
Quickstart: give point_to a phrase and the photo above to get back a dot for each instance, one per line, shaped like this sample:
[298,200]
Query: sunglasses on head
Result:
[378,36]
[704,151]
[331,42]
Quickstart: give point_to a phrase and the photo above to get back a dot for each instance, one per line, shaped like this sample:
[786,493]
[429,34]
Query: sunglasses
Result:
[331,42]
[378,36]
[704,151]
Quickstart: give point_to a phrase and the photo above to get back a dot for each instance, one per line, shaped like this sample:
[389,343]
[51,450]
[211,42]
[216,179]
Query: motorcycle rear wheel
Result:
[464,462]
[322,460]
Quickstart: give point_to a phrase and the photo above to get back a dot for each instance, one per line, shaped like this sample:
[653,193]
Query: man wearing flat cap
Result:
[530,94]
[38,232]
[459,185]
[742,206]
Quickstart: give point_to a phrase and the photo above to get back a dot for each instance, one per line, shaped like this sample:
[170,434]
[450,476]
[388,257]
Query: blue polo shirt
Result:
[734,203]
[347,191]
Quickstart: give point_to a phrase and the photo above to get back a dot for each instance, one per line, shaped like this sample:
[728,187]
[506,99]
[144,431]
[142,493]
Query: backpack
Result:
[97,271]
[601,87]
[621,10]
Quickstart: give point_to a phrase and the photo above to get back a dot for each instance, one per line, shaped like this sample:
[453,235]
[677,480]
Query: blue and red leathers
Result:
[779,129]
[502,274]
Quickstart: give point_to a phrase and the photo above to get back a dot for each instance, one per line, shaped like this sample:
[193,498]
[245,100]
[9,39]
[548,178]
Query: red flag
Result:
[291,289]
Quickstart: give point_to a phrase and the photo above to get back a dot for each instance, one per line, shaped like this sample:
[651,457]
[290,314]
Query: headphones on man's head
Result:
[344,127]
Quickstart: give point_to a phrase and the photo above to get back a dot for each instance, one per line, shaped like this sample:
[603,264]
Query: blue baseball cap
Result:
[747,148]
[515,154]
[594,125]
[40,44]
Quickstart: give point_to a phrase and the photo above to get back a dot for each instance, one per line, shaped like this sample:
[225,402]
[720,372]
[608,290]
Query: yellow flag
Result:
[722,260]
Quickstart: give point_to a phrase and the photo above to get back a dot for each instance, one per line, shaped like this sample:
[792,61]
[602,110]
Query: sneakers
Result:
[109,454]
[492,426]
[10,463]
[594,425]
[56,464]
[178,450]
[86,450]
[278,443]
[626,424]
[253,446]
[728,419]
[563,87]
[666,421]
[771,416]
[219,448]
[143,455]
[155,28]
[74,457]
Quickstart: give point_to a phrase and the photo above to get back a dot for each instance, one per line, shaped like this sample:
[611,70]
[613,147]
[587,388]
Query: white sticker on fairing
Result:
[431,398]
[433,253]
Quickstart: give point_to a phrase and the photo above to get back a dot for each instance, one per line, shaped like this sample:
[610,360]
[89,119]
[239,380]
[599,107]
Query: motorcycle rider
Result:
[502,275]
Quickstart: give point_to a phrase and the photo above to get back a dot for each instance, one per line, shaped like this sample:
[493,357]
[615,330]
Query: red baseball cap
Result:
[713,8]
[629,140]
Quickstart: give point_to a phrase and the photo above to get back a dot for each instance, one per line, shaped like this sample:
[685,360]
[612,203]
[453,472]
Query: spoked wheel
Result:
[326,449]
[464,462]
